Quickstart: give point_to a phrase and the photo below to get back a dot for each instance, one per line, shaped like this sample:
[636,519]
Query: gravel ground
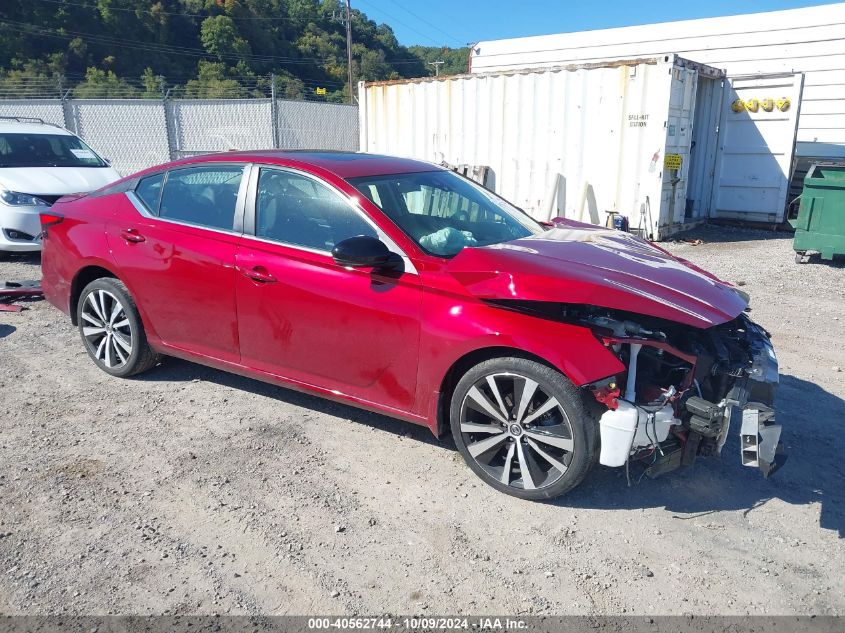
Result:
[188,490]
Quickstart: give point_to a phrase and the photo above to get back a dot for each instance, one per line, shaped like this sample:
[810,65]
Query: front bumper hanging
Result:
[750,405]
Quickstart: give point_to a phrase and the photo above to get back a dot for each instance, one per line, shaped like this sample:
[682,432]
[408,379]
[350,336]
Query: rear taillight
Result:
[48,220]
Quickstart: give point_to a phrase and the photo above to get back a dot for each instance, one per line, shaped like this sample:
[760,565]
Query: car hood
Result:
[56,180]
[584,264]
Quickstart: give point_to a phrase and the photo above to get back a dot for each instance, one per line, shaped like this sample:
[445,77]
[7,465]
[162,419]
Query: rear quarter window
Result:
[149,191]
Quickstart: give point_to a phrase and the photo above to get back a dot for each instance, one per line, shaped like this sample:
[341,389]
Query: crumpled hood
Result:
[584,264]
[56,180]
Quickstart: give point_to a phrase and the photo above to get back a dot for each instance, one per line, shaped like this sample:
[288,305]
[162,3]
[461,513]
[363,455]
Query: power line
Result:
[176,50]
[179,14]
[120,88]
[156,48]
[422,19]
[398,21]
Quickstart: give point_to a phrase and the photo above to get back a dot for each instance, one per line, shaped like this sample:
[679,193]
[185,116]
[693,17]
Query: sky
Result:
[457,23]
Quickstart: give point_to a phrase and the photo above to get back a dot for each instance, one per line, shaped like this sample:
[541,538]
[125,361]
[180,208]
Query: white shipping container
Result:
[809,40]
[574,141]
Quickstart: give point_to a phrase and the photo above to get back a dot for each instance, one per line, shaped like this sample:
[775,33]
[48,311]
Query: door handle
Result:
[132,235]
[259,274]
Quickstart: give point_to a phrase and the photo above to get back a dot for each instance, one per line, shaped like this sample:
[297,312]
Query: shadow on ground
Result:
[27,259]
[813,474]
[722,234]
[5,330]
[174,369]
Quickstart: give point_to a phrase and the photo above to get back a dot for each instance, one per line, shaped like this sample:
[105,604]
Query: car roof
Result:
[24,125]
[341,164]
[29,126]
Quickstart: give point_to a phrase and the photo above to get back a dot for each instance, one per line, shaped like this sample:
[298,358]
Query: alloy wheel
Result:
[516,431]
[106,330]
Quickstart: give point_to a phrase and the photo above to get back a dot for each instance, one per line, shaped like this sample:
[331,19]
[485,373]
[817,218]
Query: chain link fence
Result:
[138,133]
[308,125]
[201,125]
[131,134]
[48,110]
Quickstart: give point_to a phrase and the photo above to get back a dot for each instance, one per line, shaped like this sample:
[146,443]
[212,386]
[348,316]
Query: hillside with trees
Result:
[199,49]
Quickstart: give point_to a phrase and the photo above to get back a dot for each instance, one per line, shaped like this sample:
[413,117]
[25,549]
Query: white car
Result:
[40,163]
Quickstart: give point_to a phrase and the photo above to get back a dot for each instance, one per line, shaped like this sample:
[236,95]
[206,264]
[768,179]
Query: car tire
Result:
[111,329]
[546,444]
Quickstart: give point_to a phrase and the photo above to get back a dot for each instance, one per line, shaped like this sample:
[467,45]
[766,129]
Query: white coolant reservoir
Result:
[617,427]
[654,428]
[630,427]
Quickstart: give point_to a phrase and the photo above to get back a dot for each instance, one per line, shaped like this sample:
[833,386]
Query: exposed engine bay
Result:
[684,389]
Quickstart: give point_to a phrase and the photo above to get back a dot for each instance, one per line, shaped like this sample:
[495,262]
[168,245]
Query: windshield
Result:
[443,212]
[46,150]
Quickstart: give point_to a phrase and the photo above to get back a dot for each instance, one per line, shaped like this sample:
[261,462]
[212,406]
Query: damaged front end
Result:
[684,389]
[696,364]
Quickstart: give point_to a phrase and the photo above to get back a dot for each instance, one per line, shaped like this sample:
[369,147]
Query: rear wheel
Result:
[521,426]
[111,329]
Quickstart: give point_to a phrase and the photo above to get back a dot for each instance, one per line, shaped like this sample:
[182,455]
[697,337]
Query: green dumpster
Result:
[820,225]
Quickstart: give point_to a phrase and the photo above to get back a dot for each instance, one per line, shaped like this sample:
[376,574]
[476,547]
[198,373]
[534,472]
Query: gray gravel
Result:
[194,491]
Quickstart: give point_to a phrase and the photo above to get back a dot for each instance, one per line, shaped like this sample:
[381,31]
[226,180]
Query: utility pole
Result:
[346,20]
[436,65]
[349,50]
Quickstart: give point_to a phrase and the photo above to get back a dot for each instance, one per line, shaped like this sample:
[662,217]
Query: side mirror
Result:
[362,251]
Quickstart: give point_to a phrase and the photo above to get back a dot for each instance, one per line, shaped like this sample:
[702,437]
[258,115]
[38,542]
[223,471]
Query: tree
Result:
[34,78]
[152,83]
[211,83]
[203,47]
[100,84]
[289,87]
[456,59]
[220,37]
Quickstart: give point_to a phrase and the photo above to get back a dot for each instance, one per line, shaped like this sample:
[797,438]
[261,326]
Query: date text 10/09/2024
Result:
[423,624]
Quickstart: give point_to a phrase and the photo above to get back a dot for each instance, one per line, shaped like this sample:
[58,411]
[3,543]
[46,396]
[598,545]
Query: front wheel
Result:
[521,426]
[111,329]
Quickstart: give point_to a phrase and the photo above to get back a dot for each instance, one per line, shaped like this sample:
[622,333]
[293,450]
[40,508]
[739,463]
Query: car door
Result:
[174,244]
[302,316]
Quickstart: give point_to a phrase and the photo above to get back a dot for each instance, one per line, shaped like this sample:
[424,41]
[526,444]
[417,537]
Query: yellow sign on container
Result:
[672,161]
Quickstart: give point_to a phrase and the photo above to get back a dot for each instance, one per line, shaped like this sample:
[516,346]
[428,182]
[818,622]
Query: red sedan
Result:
[400,287]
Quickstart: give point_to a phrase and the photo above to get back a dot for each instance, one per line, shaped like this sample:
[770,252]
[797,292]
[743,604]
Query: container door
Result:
[756,146]
[705,140]
[679,129]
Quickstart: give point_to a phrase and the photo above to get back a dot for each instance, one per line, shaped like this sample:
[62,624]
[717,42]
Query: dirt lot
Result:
[194,491]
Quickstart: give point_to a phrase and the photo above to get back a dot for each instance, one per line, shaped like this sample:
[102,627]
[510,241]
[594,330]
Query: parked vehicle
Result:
[39,163]
[403,288]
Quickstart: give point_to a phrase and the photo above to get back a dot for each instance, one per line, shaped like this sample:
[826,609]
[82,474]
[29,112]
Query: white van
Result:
[39,163]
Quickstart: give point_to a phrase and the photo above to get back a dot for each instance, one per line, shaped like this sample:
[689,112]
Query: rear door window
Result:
[204,196]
